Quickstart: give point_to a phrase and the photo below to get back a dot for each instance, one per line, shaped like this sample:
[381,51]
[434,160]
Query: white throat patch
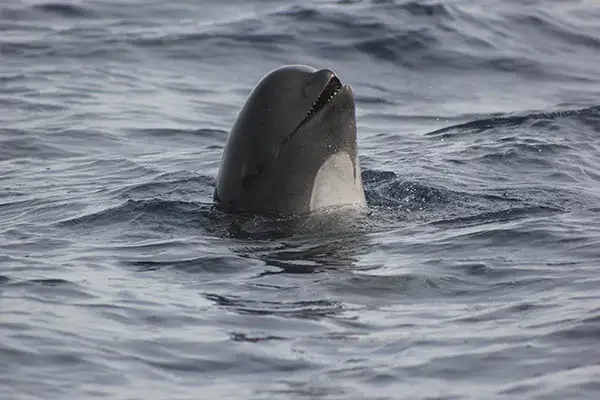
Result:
[335,184]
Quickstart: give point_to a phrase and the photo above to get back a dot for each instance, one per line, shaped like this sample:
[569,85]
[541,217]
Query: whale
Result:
[293,148]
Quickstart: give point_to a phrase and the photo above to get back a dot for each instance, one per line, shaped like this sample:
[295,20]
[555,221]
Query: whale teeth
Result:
[333,87]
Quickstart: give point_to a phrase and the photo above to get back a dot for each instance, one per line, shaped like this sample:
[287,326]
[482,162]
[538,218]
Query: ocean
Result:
[474,274]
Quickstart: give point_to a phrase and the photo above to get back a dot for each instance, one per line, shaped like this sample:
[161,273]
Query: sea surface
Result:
[475,273]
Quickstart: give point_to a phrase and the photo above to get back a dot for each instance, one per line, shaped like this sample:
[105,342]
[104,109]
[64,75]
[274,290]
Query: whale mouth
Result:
[331,89]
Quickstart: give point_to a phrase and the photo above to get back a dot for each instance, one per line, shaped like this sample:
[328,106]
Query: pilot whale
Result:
[292,149]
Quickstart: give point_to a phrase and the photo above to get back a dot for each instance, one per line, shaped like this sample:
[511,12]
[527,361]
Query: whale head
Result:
[292,149]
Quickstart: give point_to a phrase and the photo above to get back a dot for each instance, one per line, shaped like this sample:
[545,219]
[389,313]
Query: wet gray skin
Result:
[292,149]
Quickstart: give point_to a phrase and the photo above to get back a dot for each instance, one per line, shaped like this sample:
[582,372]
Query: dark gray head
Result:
[292,149]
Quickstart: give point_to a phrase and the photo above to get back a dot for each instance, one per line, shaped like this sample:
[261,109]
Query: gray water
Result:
[474,274]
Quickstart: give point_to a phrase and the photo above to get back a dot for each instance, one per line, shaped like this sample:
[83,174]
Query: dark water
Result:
[476,274]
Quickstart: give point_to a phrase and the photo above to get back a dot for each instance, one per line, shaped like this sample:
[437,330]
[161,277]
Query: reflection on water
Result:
[328,240]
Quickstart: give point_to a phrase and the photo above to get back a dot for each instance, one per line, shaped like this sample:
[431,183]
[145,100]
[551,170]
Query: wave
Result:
[64,10]
[412,35]
[589,116]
